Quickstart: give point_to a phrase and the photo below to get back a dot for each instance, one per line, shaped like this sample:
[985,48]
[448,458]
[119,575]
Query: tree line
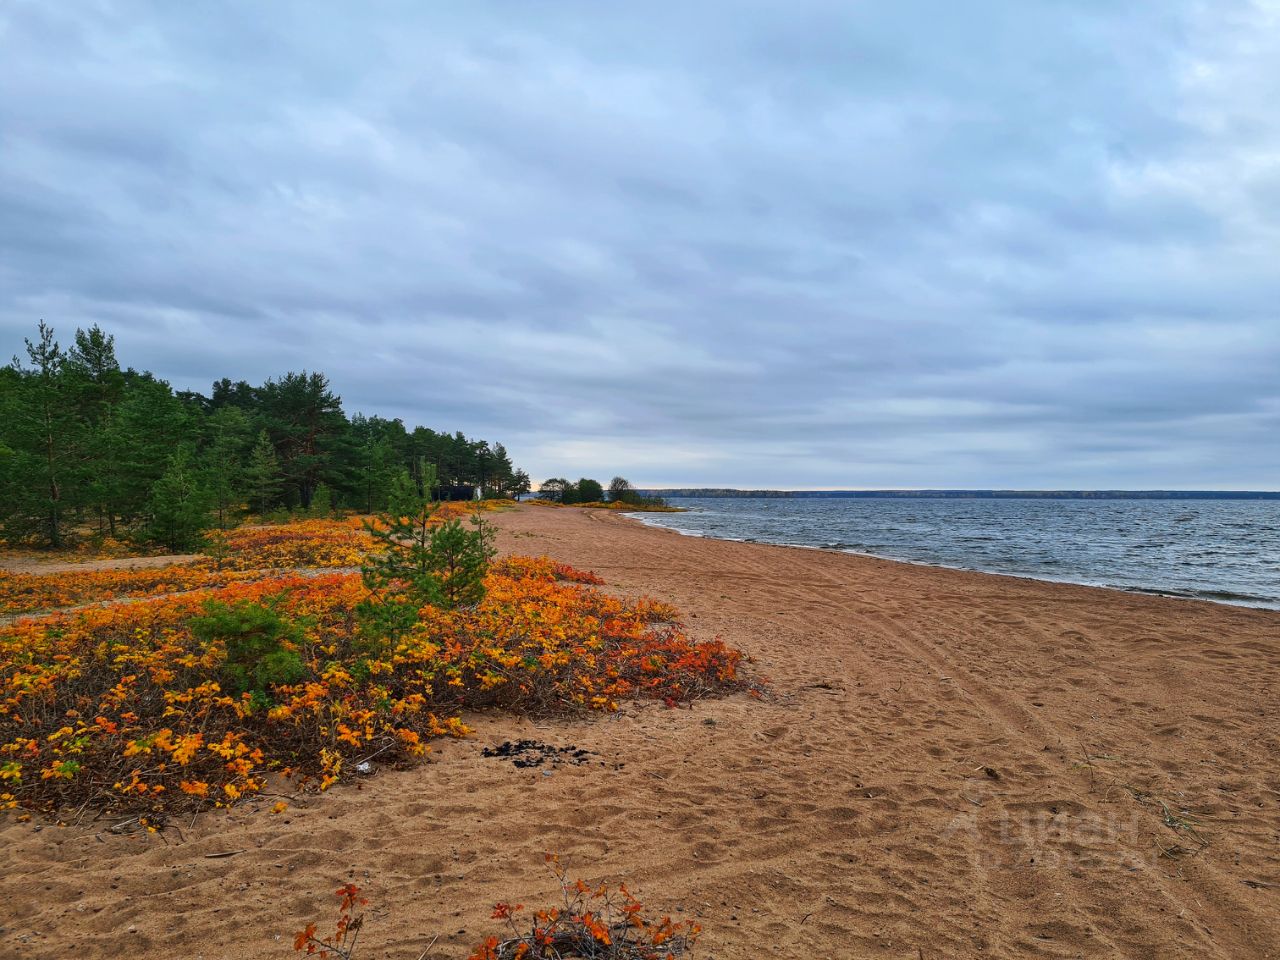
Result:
[586,490]
[88,449]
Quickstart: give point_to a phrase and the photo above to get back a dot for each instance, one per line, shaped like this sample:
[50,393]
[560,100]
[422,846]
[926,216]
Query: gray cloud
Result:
[808,244]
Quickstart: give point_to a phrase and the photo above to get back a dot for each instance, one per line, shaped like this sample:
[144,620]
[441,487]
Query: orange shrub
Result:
[596,921]
[599,921]
[461,509]
[304,543]
[124,708]
[24,592]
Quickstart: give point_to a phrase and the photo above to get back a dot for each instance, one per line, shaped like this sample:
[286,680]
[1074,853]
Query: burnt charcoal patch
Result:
[534,753]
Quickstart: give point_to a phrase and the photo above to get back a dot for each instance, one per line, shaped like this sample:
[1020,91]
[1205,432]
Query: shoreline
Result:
[946,764]
[1232,600]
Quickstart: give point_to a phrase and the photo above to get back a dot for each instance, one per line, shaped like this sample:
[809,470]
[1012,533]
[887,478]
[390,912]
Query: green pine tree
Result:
[224,458]
[404,499]
[262,480]
[461,558]
[376,472]
[417,563]
[321,502]
[44,437]
[179,506]
[143,432]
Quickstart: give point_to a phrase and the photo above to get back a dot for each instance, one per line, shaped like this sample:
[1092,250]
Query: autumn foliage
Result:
[342,942]
[596,921]
[240,555]
[303,543]
[24,593]
[194,698]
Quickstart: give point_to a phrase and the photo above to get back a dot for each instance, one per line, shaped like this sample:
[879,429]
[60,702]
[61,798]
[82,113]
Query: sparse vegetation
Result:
[591,921]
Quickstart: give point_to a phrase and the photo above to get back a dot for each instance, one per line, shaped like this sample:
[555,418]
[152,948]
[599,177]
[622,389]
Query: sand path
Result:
[950,765]
[36,564]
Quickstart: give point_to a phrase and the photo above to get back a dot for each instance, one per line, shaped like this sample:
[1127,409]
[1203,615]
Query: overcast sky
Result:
[801,244]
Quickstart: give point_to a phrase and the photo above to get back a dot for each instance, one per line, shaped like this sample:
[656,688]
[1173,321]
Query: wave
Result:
[1212,557]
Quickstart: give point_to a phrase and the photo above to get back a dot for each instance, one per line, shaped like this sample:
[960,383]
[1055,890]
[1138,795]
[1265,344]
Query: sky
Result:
[808,244]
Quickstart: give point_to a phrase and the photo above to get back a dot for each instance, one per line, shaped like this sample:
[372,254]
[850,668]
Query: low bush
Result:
[25,592]
[596,921]
[192,700]
[231,556]
[302,543]
[259,647]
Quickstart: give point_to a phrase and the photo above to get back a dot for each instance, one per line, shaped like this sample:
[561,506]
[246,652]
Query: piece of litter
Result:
[364,766]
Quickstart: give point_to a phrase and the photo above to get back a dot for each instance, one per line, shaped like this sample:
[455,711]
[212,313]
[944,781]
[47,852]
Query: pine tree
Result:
[417,562]
[146,428]
[461,558]
[179,505]
[377,471]
[98,387]
[44,436]
[262,480]
[225,471]
[404,498]
[321,502]
[520,484]
[502,476]
[304,419]
[97,380]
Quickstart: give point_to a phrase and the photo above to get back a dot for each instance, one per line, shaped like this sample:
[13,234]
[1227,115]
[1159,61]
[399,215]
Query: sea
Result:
[1220,550]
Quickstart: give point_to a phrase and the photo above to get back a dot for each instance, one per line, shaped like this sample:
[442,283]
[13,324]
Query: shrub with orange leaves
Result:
[461,509]
[342,943]
[240,555]
[128,708]
[601,922]
[303,543]
[325,543]
[591,921]
[25,592]
[517,567]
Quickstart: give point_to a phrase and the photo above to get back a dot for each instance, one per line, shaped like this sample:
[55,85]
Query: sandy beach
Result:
[947,764]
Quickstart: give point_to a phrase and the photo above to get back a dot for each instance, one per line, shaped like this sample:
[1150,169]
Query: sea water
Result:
[1222,550]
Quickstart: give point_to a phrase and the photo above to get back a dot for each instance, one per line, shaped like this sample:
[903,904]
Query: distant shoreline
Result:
[730,493]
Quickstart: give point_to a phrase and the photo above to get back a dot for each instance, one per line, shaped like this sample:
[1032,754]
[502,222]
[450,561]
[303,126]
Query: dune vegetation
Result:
[191,686]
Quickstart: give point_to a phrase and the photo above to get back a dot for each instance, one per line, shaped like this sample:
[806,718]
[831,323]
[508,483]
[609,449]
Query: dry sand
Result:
[37,564]
[950,765]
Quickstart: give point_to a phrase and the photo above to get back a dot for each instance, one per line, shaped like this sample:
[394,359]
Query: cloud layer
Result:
[810,244]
